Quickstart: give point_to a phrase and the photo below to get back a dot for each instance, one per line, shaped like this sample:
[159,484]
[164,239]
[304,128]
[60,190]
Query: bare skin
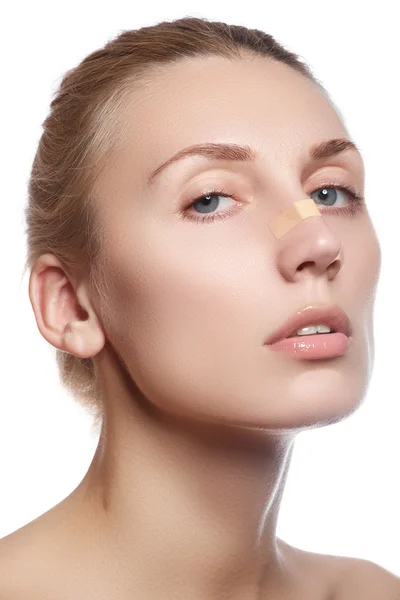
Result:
[182,497]
[41,561]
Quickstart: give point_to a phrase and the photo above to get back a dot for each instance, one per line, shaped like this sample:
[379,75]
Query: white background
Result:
[342,495]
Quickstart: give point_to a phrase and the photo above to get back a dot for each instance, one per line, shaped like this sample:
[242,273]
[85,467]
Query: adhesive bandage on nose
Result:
[294,214]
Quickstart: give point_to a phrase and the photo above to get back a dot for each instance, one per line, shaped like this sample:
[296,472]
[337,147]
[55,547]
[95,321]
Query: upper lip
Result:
[333,316]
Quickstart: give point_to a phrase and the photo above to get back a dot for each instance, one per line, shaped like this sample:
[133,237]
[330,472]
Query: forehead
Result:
[255,101]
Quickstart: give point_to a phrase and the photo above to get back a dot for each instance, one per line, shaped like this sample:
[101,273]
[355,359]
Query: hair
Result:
[82,129]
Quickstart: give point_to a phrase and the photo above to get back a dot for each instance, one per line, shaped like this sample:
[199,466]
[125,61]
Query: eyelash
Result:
[356,205]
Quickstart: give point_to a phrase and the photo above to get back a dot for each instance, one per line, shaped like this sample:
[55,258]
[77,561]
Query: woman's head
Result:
[183,306]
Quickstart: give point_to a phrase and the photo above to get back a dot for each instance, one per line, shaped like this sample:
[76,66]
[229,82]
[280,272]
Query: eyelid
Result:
[335,171]
[238,188]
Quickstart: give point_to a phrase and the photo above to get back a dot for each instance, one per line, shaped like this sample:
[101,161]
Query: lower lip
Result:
[314,347]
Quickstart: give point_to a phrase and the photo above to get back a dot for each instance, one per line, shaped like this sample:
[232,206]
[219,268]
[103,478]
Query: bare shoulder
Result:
[20,555]
[30,558]
[12,565]
[367,580]
[343,577]
[50,557]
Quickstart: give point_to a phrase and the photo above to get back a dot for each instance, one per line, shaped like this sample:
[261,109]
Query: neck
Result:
[186,508]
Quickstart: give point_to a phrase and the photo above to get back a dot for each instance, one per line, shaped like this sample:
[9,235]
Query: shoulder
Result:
[11,567]
[49,558]
[343,577]
[30,559]
[19,557]
[364,579]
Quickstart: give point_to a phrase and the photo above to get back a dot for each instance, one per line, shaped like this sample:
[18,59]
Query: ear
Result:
[63,312]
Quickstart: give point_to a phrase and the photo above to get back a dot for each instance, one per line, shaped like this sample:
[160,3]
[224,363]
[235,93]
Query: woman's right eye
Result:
[210,199]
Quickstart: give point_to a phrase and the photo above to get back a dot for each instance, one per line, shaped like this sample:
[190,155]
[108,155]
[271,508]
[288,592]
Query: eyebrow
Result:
[221,151]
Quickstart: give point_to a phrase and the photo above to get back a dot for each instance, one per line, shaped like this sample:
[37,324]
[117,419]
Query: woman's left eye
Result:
[326,197]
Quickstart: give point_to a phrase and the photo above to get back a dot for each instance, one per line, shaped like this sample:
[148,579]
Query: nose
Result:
[312,247]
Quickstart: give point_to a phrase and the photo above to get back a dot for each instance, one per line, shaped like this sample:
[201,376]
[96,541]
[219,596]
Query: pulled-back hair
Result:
[80,133]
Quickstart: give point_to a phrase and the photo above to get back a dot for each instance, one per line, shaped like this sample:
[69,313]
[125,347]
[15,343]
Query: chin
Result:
[304,403]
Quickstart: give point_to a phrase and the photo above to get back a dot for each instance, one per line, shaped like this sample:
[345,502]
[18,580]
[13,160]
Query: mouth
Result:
[332,316]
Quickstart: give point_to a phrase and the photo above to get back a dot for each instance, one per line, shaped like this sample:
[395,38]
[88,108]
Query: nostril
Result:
[304,264]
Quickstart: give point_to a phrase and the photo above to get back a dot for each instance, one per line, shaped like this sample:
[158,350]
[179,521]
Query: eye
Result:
[328,196]
[211,200]
[325,196]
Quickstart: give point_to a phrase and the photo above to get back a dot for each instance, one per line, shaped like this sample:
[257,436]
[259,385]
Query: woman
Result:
[156,274]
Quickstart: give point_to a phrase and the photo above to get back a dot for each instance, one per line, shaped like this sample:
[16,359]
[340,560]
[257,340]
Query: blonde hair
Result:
[80,132]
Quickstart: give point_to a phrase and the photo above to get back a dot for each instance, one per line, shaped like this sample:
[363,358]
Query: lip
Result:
[332,315]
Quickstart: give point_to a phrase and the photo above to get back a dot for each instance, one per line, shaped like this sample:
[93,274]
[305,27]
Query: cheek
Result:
[357,287]
[185,281]
[176,298]
[363,263]
[183,320]
[372,267]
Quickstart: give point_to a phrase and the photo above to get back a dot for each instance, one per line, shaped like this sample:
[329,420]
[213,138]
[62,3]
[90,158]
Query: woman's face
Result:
[192,303]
